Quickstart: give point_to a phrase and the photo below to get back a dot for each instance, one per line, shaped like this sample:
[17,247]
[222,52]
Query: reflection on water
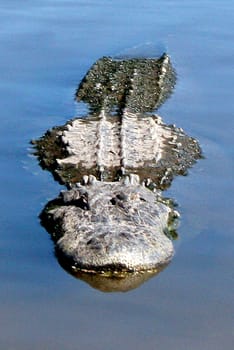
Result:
[118,282]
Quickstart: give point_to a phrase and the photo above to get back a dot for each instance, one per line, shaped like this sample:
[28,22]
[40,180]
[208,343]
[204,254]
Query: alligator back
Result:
[109,146]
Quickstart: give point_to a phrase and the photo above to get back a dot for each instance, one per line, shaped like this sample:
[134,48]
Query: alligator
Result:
[112,219]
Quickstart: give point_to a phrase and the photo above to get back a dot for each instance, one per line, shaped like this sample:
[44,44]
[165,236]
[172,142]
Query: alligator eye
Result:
[83,203]
[121,196]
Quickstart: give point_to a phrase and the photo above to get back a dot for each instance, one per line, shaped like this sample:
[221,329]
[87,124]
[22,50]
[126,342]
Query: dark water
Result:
[46,48]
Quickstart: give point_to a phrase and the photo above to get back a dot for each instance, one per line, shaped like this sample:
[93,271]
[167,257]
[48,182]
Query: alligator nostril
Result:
[113,201]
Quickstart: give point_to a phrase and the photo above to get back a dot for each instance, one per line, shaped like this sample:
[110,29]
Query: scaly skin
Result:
[112,223]
[139,84]
[109,146]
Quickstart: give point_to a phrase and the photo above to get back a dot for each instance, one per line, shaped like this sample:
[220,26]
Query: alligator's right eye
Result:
[83,203]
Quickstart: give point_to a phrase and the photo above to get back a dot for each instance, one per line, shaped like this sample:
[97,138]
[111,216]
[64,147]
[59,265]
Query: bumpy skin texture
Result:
[107,146]
[114,226]
[137,84]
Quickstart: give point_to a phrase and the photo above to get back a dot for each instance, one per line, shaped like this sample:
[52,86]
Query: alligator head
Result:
[110,227]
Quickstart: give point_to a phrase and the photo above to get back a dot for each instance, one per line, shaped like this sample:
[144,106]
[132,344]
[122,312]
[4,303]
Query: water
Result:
[46,48]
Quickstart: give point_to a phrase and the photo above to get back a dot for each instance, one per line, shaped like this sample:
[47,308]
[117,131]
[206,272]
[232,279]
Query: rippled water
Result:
[46,48]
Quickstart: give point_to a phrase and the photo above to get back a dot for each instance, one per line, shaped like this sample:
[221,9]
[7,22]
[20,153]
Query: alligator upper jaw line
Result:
[112,219]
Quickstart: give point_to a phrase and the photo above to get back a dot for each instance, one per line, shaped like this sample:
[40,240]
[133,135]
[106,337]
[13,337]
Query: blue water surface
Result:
[46,48]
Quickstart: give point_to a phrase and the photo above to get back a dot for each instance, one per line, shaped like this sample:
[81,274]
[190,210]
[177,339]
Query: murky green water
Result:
[46,48]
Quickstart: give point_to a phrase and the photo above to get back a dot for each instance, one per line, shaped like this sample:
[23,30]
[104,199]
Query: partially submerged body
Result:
[116,222]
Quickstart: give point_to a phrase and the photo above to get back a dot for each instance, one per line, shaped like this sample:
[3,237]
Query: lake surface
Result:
[46,48]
